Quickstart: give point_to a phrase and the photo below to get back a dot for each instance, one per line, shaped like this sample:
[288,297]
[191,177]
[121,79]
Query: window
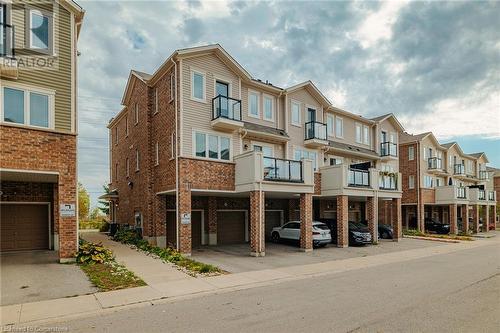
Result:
[172,87]
[156,100]
[157,154]
[428,181]
[136,113]
[329,124]
[366,135]
[267,151]
[212,146]
[268,108]
[126,126]
[411,182]
[411,153]
[358,133]
[335,160]
[295,113]
[172,146]
[311,155]
[138,220]
[26,107]
[339,127]
[39,34]
[253,105]
[136,160]
[127,165]
[438,181]
[198,86]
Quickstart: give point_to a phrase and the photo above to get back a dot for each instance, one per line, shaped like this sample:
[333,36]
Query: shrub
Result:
[413,232]
[127,237]
[90,253]
[104,227]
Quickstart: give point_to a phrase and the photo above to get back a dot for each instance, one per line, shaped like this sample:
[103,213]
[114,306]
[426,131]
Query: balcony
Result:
[483,175]
[226,113]
[255,171]
[450,194]
[358,178]
[435,165]
[315,134]
[477,195]
[8,62]
[388,150]
[459,170]
[388,182]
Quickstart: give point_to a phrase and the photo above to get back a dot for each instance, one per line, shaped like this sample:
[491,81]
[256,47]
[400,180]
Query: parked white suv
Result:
[291,231]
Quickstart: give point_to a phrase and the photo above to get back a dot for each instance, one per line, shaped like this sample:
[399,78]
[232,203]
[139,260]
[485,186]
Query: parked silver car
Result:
[291,231]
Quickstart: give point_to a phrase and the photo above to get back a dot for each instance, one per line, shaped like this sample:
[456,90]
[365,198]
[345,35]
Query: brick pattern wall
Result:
[207,175]
[184,229]
[29,149]
[293,205]
[453,218]
[306,241]
[465,218]
[370,217]
[317,183]
[475,218]
[408,168]
[428,195]
[385,212]
[27,192]
[342,221]
[212,218]
[397,225]
[257,243]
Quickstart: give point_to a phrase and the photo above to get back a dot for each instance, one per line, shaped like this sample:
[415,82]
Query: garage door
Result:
[230,227]
[273,219]
[24,227]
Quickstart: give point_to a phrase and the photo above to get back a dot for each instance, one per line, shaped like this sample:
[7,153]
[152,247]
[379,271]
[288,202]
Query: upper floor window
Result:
[335,160]
[428,181]
[339,127]
[136,160]
[6,31]
[27,107]
[127,165]
[253,105]
[359,135]
[411,153]
[329,124]
[307,154]
[366,135]
[268,108]
[411,182]
[198,86]
[39,30]
[212,146]
[157,154]
[136,113]
[295,113]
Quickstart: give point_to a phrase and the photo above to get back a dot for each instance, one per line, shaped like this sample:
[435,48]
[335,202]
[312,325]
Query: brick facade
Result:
[453,218]
[465,218]
[475,218]
[371,218]
[39,150]
[257,223]
[306,241]
[342,221]
[396,220]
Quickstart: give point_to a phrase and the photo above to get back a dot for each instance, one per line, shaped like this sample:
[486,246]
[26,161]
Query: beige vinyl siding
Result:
[387,126]
[197,115]
[58,79]
[245,111]
[278,149]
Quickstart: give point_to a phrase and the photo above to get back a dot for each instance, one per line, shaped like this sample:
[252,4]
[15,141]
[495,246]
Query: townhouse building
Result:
[443,183]
[202,153]
[38,125]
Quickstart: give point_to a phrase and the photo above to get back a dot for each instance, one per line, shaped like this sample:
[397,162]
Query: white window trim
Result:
[219,135]
[50,16]
[299,124]
[368,136]
[136,113]
[137,160]
[330,132]
[157,153]
[411,156]
[172,87]
[263,144]
[341,135]
[223,80]
[27,89]
[273,108]
[204,75]
[172,146]
[156,101]
[411,182]
[253,92]
[360,126]
[295,148]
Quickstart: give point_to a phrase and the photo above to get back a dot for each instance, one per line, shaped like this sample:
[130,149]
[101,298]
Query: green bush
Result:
[92,224]
[413,232]
[104,227]
[90,253]
[126,237]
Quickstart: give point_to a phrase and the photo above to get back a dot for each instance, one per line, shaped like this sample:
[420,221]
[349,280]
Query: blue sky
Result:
[435,65]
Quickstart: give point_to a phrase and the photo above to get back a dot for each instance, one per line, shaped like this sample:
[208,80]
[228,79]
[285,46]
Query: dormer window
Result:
[39,31]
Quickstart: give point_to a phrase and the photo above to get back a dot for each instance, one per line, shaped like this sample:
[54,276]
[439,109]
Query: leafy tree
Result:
[83,202]
[95,214]
[104,204]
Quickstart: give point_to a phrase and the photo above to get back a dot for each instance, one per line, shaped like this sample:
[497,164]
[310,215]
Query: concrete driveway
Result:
[36,275]
[236,258]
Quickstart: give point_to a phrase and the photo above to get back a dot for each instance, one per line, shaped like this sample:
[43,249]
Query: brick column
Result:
[453,218]
[212,221]
[475,218]
[306,210]
[292,205]
[184,198]
[486,220]
[371,217]
[160,220]
[397,221]
[465,219]
[342,221]
[492,215]
[67,229]
[257,229]
[420,216]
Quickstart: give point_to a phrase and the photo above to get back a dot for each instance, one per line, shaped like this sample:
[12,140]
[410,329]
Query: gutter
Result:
[177,245]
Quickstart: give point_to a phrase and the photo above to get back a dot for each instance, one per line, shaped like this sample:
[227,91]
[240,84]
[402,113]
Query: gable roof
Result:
[391,116]
[144,77]
[312,89]
[479,155]
[407,137]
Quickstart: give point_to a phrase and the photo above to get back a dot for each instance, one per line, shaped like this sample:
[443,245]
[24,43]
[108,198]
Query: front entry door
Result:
[222,89]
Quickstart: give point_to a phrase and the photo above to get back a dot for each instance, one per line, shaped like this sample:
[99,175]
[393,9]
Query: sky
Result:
[435,65]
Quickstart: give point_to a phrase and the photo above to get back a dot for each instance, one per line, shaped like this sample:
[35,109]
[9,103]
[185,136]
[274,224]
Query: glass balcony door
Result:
[222,89]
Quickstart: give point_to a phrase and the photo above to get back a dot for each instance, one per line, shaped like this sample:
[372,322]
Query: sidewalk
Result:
[187,286]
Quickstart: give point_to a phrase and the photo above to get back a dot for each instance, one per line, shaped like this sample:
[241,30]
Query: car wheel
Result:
[275,237]
[385,235]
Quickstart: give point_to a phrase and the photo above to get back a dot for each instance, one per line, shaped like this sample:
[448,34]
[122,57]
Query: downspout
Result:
[177,245]
[417,179]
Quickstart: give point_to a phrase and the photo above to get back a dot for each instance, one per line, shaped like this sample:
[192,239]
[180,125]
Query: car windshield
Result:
[356,226]
[321,226]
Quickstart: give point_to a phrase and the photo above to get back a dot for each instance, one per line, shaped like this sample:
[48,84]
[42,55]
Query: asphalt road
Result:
[456,292]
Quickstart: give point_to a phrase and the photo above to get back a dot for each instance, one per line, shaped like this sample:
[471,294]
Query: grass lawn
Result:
[111,275]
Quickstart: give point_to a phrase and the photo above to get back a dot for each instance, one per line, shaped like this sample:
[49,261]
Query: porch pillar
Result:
[371,203]
[342,221]
[475,219]
[397,223]
[421,216]
[212,221]
[486,220]
[257,224]
[68,225]
[465,219]
[184,218]
[306,210]
[453,218]
[493,215]
[160,220]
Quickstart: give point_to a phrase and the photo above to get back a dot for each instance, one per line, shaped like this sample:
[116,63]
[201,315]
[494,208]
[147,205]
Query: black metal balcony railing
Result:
[461,194]
[315,130]
[483,175]
[226,107]
[459,169]
[482,195]
[388,149]
[7,41]
[435,163]
[386,182]
[277,169]
[491,195]
[358,178]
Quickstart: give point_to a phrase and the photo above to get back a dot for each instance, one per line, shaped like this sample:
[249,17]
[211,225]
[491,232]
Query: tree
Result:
[83,202]
[104,204]
[95,214]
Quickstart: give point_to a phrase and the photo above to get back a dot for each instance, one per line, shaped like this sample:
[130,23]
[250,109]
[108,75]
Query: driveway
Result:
[237,259]
[37,275]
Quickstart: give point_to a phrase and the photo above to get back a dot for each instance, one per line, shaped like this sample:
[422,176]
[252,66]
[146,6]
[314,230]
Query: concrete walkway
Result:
[159,292]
